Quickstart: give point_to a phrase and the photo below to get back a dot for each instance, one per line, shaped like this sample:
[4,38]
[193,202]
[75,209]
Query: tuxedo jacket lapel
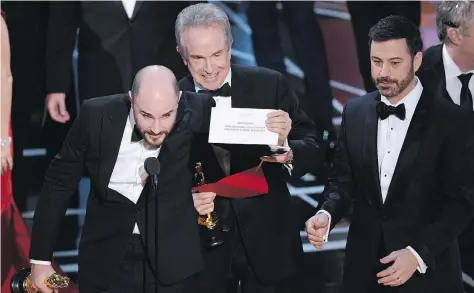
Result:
[113,125]
[138,4]
[370,154]
[439,79]
[187,84]
[205,152]
[241,91]
[409,153]
[432,74]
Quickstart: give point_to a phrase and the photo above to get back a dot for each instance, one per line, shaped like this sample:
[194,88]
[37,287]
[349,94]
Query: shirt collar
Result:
[410,100]
[227,79]
[451,69]
[131,117]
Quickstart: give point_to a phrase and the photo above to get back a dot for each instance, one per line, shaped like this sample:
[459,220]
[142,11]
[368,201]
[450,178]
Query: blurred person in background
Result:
[27,26]
[114,40]
[15,240]
[364,14]
[447,69]
[307,41]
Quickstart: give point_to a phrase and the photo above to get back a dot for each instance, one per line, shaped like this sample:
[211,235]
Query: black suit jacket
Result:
[94,142]
[111,47]
[429,202]
[431,72]
[270,234]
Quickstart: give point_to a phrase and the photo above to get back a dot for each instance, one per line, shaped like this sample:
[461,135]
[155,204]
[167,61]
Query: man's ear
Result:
[417,60]
[181,54]
[130,96]
[454,36]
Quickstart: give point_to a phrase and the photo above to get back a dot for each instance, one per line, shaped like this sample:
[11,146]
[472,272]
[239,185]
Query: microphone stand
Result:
[152,167]
[154,184]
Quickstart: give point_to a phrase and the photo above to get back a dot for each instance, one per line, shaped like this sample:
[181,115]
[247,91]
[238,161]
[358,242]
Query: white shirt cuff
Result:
[40,262]
[287,148]
[421,264]
[325,238]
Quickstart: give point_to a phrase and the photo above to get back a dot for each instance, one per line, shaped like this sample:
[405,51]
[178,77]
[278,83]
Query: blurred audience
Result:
[114,40]
[27,21]
[365,14]
[308,45]
[15,235]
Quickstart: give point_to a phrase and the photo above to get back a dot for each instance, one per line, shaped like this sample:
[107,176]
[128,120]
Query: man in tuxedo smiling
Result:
[262,242]
[405,160]
[112,138]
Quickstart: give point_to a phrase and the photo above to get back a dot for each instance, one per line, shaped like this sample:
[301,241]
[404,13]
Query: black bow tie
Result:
[136,134]
[384,110]
[223,91]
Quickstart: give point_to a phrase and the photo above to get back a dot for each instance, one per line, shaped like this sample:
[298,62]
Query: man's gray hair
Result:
[202,14]
[453,14]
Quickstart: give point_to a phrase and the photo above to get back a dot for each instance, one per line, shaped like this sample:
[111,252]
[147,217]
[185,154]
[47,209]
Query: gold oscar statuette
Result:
[210,223]
[21,282]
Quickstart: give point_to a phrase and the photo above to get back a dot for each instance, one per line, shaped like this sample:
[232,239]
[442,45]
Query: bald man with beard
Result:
[112,138]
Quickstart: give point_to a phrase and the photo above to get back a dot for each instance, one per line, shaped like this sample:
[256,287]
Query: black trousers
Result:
[135,274]
[307,41]
[228,265]
[365,14]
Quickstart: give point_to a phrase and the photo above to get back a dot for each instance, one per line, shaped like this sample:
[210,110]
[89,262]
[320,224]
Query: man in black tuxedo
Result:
[112,138]
[115,40]
[262,242]
[405,159]
[447,70]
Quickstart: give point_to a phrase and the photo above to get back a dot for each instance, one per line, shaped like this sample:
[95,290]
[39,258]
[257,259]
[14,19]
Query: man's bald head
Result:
[155,98]
[154,77]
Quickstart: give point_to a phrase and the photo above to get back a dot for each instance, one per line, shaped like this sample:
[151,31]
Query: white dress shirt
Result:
[129,6]
[222,155]
[129,175]
[453,84]
[391,134]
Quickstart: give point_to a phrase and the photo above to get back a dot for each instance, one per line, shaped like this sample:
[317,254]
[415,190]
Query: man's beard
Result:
[400,86]
[157,142]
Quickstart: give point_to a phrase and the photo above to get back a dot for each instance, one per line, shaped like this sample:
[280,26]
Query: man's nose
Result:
[208,65]
[384,71]
[156,126]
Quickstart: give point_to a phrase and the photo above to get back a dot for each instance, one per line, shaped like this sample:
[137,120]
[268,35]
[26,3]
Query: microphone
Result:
[152,167]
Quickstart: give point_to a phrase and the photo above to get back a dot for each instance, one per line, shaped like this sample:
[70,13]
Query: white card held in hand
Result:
[240,126]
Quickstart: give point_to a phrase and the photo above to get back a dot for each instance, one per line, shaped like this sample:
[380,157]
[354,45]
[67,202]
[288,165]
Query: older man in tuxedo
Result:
[112,138]
[262,245]
[447,69]
[405,160]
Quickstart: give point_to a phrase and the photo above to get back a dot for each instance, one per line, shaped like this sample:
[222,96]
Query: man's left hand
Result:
[279,122]
[403,267]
